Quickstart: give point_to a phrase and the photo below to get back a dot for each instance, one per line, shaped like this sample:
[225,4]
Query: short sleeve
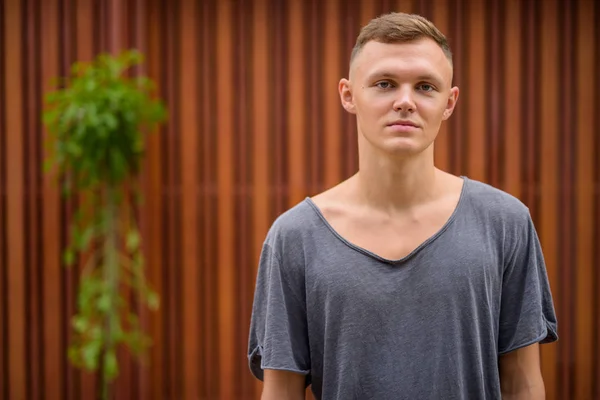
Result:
[527,314]
[278,329]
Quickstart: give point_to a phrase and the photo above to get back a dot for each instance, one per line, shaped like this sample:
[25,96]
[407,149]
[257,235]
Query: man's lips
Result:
[403,123]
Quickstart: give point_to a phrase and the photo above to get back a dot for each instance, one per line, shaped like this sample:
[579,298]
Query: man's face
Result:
[400,94]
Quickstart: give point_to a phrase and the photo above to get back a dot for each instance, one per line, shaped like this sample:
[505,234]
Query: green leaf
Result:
[111,122]
[90,353]
[104,302]
[96,333]
[133,240]
[118,166]
[111,368]
[48,164]
[83,239]
[137,341]
[50,117]
[69,257]
[90,85]
[153,301]
[73,354]
[80,324]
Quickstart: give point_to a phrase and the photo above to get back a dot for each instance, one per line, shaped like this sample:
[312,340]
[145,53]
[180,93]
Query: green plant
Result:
[96,123]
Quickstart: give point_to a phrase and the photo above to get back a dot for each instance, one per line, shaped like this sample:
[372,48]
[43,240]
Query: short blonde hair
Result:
[400,28]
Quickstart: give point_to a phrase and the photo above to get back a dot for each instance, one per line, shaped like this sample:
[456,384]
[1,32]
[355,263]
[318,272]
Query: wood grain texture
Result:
[190,194]
[32,203]
[154,194]
[15,142]
[548,212]
[4,379]
[585,142]
[228,110]
[52,289]
[255,126]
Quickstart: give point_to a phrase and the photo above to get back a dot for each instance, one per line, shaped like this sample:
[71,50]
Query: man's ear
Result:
[452,99]
[345,89]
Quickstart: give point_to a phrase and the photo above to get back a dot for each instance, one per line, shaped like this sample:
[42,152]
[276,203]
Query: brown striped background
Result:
[255,126]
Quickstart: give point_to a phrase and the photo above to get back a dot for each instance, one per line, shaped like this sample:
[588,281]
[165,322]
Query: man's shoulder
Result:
[291,235]
[293,222]
[496,203]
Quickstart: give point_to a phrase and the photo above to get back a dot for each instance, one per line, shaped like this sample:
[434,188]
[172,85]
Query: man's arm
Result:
[283,385]
[521,375]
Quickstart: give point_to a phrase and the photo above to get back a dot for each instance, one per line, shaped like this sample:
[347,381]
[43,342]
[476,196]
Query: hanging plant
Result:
[97,123]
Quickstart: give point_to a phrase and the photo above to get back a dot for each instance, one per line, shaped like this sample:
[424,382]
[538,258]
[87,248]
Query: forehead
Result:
[421,57]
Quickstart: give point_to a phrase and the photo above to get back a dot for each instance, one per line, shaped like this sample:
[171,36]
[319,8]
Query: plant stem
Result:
[111,279]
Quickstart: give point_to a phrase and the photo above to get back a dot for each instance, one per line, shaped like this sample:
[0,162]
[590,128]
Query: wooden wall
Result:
[255,126]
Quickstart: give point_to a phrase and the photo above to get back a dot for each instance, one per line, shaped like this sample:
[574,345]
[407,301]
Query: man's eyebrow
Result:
[423,77]
[430,77]
[381,74]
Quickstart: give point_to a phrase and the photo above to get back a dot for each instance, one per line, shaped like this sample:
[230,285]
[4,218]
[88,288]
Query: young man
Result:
[402,282]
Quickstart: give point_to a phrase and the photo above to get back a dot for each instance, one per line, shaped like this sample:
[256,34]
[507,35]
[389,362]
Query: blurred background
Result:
[255,126]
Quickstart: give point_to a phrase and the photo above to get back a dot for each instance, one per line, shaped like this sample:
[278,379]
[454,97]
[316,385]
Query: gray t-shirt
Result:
[429,326]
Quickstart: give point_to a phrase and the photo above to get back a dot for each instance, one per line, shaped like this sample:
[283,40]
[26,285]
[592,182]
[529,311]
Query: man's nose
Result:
[404,102]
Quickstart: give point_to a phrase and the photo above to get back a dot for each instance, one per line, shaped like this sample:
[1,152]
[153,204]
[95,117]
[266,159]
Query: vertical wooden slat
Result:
[189,170]
[318,162]
[297,123]
[51,276]
[209,152]
[494,80]
[350,18]
[4,368]
[277,127]
[170,150]
[441,145]
[115,28]
[531,51]
[566,218]
[476,125]
[15,142]
[176,217]
[32,235]
[203,285]
[331,129]
[513,106]
[260,103]
[584,295]
[244,234]
[153,206]
[367,13]
[139,40]
[595,44]
[405,6]
[29,171]
[457,127]
[549,148]
[225,207]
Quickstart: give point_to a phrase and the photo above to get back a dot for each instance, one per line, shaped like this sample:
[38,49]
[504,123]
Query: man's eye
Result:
[426,87]
[383,85]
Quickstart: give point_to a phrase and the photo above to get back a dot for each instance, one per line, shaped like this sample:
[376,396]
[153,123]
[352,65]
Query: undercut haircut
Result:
[400,28]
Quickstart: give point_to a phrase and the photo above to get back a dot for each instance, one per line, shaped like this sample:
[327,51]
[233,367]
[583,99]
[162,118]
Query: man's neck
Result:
[396,186]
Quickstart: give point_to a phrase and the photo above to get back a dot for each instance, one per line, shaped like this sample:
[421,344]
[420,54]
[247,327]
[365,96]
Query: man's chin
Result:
[403,147]
[398,146]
